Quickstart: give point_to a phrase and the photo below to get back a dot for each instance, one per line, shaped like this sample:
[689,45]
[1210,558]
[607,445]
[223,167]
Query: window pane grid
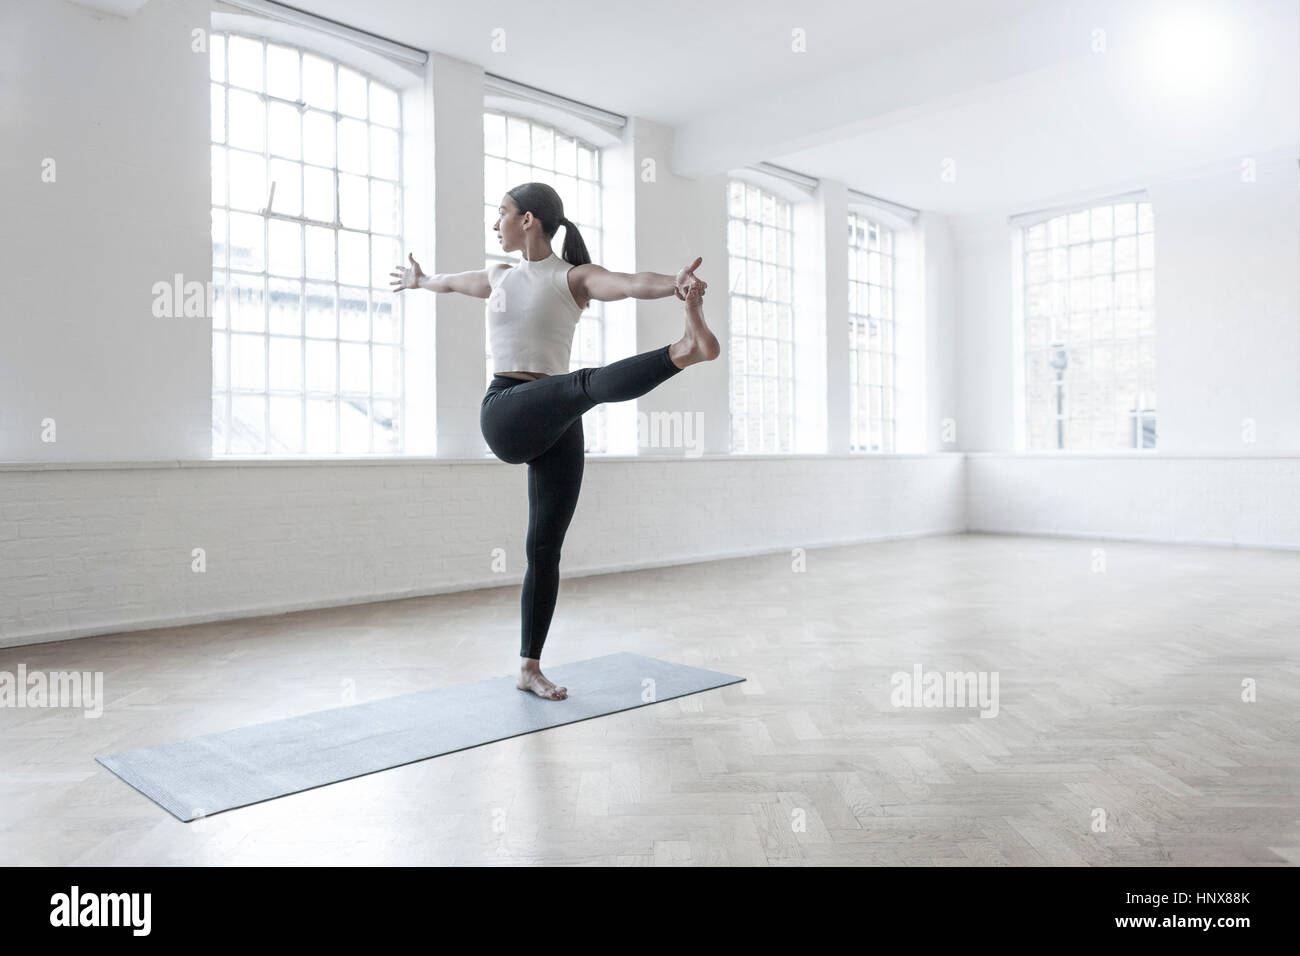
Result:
[872,361]
[760,246]
[518,150]
[1090,329]
[282,385]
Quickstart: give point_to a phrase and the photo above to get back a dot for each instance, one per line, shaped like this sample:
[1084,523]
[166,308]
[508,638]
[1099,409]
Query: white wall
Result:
[1244,501]
[120,108]
[92,549]
[1227,311]
[454,165]
[925,422]
[982,293]
[1227,303]
[677,220]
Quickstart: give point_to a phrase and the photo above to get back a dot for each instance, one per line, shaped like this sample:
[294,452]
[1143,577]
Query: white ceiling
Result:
[1012,92]
[1089,123]
[666,60]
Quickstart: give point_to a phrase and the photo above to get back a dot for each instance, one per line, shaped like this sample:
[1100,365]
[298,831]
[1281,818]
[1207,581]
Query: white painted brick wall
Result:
[93,549]
[1244,501]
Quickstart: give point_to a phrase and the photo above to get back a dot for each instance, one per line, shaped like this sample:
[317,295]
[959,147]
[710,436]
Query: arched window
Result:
[761,254]
[872,388]
[306,225]
[520,149]
[1089,331]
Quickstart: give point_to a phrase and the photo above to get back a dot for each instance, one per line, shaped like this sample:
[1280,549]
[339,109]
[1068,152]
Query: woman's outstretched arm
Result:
[596,282]
[474,282]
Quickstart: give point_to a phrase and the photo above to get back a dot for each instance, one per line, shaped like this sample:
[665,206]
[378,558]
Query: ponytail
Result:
[575,250]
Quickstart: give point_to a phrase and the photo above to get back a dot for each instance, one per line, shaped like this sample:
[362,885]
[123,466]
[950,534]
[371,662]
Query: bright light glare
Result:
[1189,50]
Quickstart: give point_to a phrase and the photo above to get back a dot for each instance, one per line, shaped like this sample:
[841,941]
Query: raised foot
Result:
[698,343]
[539,685]
[703,347]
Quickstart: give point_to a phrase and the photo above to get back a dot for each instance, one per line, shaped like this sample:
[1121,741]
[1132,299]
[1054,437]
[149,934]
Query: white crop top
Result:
[532,316]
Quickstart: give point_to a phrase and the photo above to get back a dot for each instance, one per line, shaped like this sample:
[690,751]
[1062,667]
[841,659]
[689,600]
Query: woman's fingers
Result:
[688,281]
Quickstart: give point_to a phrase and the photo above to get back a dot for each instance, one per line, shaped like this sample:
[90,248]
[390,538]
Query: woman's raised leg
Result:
[524,420]
[521,422]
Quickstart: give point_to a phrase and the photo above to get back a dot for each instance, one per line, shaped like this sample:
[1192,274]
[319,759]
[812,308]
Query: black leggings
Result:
[540,422]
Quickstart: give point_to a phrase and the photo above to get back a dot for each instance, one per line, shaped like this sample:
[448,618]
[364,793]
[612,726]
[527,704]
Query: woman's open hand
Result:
[687,280]
[405,277]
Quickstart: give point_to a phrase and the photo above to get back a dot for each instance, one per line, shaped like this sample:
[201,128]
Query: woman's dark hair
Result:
[547,207]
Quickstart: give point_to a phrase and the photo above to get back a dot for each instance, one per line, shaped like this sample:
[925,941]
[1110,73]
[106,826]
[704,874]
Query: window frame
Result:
[1055,238]
[223,335]
[741,230]
[860,285]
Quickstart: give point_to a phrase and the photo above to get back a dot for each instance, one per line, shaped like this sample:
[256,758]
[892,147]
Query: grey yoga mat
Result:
[234,768]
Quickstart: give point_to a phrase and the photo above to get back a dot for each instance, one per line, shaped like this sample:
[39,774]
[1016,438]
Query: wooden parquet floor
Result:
[1119,701]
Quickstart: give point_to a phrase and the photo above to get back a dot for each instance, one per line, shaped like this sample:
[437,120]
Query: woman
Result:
[533,408]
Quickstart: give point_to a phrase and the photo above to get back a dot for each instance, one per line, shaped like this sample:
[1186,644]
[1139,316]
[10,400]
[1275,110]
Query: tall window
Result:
[306,224]
[872,391]
[1090,329]
[519,150]
[760,244]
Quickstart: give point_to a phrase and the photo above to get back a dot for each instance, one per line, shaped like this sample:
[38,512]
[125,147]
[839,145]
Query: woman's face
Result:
[510,224]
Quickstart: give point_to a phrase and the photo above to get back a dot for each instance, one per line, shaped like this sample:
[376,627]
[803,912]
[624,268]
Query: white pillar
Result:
[454,155]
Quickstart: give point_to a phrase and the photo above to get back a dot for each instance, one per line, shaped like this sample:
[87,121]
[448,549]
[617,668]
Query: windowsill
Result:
[1132,454]
[265,461]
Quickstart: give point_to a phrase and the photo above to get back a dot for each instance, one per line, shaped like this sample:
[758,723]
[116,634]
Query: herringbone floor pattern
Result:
[1119,693]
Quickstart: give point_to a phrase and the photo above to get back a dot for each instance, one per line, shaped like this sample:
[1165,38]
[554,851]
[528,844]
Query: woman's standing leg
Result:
[554,482]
